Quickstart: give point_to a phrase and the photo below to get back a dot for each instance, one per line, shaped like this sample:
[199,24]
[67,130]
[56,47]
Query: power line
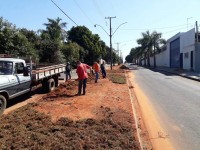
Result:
[100,12]
[98,8]
[83,12]
[157,28]
[64,13]
[174,30]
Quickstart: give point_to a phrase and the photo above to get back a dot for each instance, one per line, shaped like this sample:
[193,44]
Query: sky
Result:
[166,17]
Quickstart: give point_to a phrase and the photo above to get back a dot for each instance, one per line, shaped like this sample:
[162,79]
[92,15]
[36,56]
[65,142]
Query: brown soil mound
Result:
[101,119]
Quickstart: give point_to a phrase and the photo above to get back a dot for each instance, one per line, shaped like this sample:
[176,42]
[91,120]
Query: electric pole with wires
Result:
[110,18]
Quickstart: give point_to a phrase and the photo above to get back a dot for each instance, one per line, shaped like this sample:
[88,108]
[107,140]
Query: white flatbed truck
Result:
[16,78]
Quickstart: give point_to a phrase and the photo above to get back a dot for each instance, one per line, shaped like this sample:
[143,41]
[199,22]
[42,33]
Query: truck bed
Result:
[44,72]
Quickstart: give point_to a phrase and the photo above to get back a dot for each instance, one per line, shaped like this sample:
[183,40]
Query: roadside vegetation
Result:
[54,44]
[117,78]
[148,45]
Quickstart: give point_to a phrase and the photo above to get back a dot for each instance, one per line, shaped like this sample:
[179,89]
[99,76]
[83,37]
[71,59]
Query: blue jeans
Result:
[96,76]
[103,73]
[68,76]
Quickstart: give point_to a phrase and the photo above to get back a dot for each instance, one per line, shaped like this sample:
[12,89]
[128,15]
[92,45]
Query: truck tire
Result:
[51,85]
[2,104]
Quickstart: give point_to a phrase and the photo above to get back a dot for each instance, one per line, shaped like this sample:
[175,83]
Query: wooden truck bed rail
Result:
[44,72]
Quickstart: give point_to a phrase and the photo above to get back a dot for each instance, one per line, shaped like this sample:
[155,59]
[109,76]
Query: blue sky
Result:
[168,17]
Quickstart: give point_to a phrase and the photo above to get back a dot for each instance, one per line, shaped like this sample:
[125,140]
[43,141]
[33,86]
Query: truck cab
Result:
[16,78]
[13,79]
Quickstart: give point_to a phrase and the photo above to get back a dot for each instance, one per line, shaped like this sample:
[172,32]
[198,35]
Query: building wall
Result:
[143,62]
[151,61]
[197,58]
[162,59]
[187,44]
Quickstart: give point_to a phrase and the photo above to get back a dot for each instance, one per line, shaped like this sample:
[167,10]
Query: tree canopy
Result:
[54,44]
[91,43]
[149,45]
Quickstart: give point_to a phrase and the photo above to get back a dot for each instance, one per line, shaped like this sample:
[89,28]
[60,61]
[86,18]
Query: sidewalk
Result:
[184,73]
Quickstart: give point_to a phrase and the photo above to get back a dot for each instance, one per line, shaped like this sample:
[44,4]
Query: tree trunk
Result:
[148,60]
[154,57]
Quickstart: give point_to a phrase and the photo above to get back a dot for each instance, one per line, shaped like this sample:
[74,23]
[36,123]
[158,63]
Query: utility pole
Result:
[110,35]
[110,18]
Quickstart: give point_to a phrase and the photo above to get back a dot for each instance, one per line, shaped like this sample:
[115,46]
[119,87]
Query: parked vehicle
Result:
[17,78]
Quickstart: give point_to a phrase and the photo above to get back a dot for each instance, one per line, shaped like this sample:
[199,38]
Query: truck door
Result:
[8,81]
[24,81]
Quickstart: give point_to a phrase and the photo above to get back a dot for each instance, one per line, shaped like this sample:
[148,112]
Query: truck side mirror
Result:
[26,71]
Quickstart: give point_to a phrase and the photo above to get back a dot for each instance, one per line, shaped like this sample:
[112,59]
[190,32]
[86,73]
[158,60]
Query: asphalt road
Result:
[73,75]
[177,102]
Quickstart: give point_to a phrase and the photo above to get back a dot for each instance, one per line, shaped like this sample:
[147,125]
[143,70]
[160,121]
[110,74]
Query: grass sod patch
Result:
[29,129]
[117,78]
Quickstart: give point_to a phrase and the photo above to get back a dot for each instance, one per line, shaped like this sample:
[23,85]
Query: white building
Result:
[181,51]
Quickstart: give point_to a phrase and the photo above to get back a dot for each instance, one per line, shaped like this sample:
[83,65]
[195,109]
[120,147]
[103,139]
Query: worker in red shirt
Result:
[82,76]
[96,68]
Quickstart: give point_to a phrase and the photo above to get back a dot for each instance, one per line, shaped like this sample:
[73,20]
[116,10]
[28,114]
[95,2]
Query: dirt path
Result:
[158,137]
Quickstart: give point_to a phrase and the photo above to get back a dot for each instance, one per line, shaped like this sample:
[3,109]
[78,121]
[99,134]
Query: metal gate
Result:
[175,53]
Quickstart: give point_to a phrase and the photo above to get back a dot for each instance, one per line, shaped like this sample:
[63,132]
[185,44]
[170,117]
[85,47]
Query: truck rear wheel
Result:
[2,104]
[51,85]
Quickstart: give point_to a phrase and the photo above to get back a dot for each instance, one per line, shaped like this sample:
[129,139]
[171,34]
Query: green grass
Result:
[117,78]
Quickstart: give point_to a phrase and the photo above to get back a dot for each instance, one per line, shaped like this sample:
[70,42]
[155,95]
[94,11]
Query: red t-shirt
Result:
[82,71]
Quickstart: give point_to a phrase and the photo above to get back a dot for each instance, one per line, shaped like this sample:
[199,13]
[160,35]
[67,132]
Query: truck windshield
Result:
[6,68]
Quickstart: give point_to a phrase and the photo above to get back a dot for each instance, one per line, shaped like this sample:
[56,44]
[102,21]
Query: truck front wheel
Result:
[2,104]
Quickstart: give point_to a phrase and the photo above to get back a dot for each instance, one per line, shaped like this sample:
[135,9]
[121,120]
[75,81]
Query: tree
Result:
[14,41]
[72,52]
[150,45]
[7,33]
[33,40]
[115,57]
[144,44]
[157,41]
[128,58]
[105,53]
[55,29]
[51,41]
[91,43]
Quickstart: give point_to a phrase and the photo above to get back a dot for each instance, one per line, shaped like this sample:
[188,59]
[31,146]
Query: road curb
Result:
[178,74]
[134,112]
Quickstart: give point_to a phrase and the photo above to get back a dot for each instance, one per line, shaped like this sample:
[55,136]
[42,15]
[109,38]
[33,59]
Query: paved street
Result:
[177,101]
[73,75]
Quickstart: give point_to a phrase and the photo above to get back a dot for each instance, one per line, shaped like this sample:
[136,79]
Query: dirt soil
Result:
[101,119]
